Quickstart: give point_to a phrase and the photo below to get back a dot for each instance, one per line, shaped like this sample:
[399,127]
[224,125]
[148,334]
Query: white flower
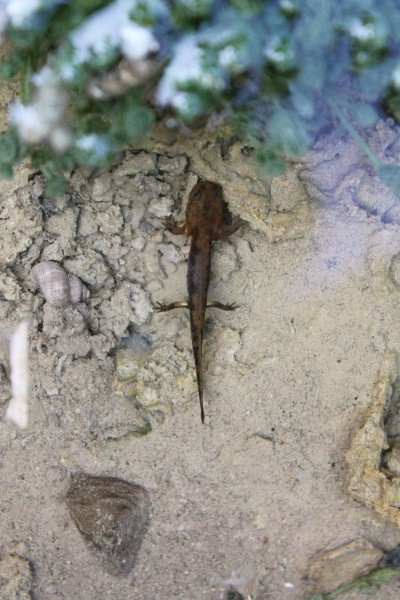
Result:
[288,5]
[396,77]
[31,125]
[100,32]
[45,77]
[278,54]
[107,30]
[94,145]
[19,12]
[88,142]
[228,57]
[364,32]
[185,66]
[41,120]
[136,42]
[60,139]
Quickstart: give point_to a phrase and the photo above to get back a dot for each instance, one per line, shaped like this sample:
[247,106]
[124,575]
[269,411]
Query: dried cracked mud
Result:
[245,501]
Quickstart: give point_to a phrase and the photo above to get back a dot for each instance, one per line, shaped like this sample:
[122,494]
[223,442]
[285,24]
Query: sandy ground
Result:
[251,496]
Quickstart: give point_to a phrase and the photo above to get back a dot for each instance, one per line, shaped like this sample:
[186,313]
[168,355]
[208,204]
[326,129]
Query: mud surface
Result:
[247,499]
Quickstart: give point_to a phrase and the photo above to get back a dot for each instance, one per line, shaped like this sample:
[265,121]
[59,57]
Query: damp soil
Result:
[241,504]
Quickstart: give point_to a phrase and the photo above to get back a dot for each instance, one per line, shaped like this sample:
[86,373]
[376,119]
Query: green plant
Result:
[278,70]
[365,583]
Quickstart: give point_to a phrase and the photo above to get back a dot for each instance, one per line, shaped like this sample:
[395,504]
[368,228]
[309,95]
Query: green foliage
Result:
[364,584]
[370,41]
[189,13]
[390,176]
[9,147]
[55,186]
[94,149]
[271,161]
[285,134]
[248,6]
[36,39]
[279,70]
[130,119]
[392,102]
[144,14]
[365,115]
[11,151]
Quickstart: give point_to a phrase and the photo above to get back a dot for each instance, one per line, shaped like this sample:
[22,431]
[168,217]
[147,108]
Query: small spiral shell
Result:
[57,286]
[77,291]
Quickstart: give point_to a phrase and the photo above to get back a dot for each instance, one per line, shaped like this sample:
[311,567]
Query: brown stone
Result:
[329,570]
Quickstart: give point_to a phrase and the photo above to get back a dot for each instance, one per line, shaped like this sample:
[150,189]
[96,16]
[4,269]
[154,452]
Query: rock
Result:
[87,222]
[133,163]
[103,190]
[112,515]
[112,247]
[141,305]
[330,164]
[394,270]
[63,227]
[91,268]
[289,225]
[110,221]
[171,253]
[17,215]
[82,184]
[391,461]
[287,191]
[374,197]
[159,379]
[334,568]
[9,287]
[160,207]
[382,251]
[117,312]
[367,481]
[175,165]
[101,344]
[140,189]
[68,328]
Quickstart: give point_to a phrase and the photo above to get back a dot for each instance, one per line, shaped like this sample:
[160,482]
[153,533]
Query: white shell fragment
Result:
[17,410]
[57,286]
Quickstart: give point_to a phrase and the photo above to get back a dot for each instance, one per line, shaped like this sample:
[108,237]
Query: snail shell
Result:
[57,286]
[77,291]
